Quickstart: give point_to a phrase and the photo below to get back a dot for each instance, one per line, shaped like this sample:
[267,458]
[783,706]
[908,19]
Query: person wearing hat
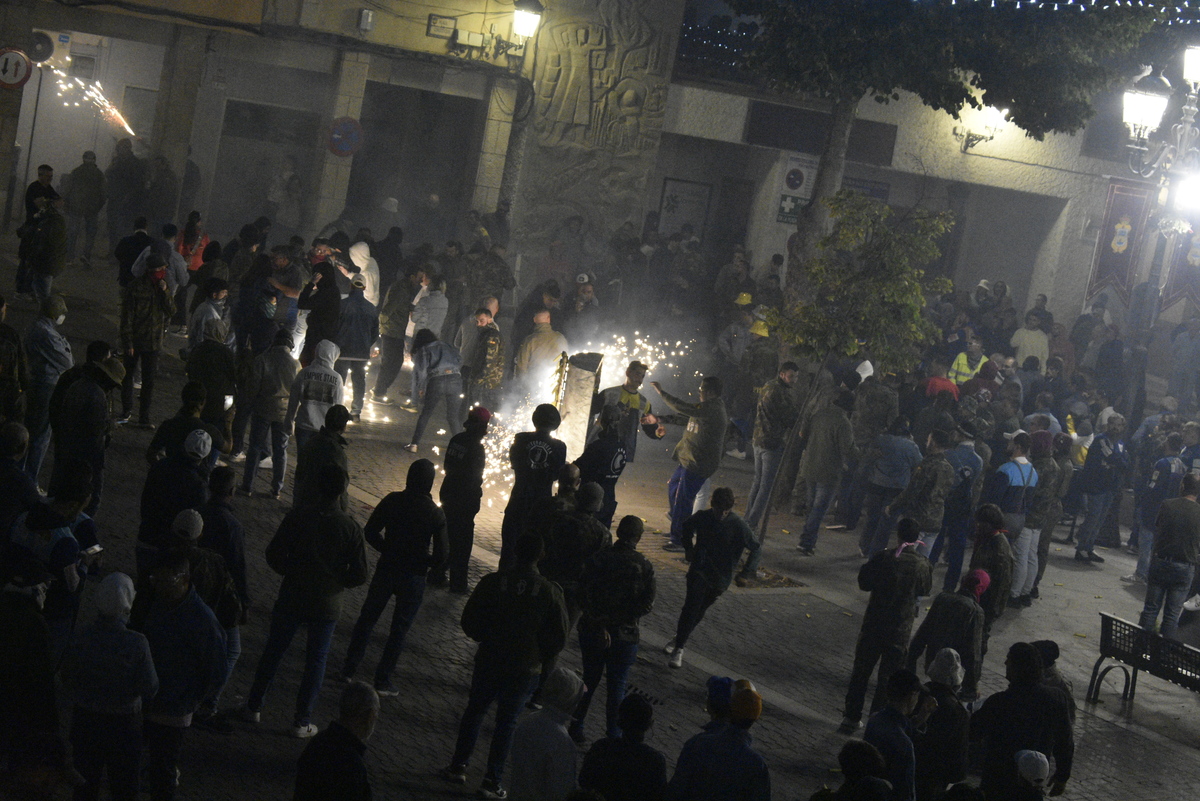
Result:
[518,618]
[698,452]
[623,767]
[84,424]
[581,318]
[712,540]
[544,757]
[146,306]
[536,459]
[960,501]
[314,583]
[49,355]
[107,674]
[1052,677]
[84,193]
[327,447]
[603,461]
[358,333]
[829,449]
[734,280]
[862,769]
[616,591]
[635,410]
[409,531]
[722,765]
[894,456]
[461,494]
[1026,715]
[436,381]
[316,389]
[759,365]
[267,391]
[955,621]
[173,484]
[940,747]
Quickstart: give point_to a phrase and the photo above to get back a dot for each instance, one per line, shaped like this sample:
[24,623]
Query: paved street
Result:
[795,643]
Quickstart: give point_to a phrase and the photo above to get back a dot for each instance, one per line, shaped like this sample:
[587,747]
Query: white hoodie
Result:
[360,256]
[316,388]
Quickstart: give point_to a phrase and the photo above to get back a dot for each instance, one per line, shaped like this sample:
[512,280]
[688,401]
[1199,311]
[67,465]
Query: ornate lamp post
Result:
[1174,161]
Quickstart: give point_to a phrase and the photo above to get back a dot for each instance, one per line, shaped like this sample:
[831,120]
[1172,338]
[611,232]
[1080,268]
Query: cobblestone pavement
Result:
[795,643]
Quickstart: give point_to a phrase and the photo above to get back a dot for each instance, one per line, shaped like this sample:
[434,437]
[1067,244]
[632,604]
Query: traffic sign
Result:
[15,68]
[345,136]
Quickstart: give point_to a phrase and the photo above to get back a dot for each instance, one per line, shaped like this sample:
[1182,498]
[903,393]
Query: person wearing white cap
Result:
[1035,773]
[106,673]
[172,485]
[941,747]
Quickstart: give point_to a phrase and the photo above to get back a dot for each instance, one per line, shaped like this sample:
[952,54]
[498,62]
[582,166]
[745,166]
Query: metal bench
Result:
[1133,647]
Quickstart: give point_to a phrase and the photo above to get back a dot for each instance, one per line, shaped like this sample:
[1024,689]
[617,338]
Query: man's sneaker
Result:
[669,648]
[1095,557]
[850,725]
[305,731]
[123,418]
[676,660]
[1014,602]
[411,447]
[837,527]
[1026,600]
[1080,556]
[1034,594]
[242,492]
[674,547]
[240,456]
[735,453]
[355,417]
[384,400]
[806,551]
[344,677]
[490,788]
[1133,578]
[386,689]
[1192,604]
[246,715]
[455,774]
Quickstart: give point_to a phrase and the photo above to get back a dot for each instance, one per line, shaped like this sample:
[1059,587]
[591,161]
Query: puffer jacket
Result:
[48,352]
[315,389]
[430,311]
[270,383]
[145,310]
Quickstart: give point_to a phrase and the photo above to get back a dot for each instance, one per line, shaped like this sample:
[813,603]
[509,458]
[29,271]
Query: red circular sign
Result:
[15,68]
[345,136]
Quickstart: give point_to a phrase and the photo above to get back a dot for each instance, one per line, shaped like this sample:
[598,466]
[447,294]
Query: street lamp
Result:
[527,15]
[1174,162]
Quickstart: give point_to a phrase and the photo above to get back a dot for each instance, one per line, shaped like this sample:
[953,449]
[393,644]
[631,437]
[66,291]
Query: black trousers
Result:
[164,745]
[700,595]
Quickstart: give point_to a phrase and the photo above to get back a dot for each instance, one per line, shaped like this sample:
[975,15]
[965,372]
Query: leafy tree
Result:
[1044,62]
[867,286]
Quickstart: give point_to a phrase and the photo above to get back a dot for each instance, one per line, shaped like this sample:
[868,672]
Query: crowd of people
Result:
[973,458]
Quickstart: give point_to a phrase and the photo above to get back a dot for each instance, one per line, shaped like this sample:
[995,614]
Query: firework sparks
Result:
[77,91]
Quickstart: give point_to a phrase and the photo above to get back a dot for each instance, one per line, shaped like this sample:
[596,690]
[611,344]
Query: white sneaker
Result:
[676,660]
[735,453]
[305,731]
[1192,604]
[1133,578]
[669,648]
[849,726]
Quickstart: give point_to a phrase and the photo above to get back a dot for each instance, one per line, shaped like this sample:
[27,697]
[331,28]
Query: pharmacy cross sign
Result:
[15,68]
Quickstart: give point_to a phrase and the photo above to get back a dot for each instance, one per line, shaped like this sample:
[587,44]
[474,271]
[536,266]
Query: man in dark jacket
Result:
[574,537]
[129,248]
[212,364]
[461,494]
[409,531]
[924,499]
[327,447]
[955,620]
[698,452]
[358,331]
[85,197]
[172,485]
[332,764]
[1101,478]
[536,458]
[713,541]
[47,248]
[188,647]
[18,492]
[777,413]
[320,552]
[146,306]
[1028,715]
[895,580]
[84,425]
[603,461]
[616,591]
[519,620]
[267,389]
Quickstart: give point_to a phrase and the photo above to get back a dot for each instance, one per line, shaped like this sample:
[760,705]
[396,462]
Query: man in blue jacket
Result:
[1011,487]
[1101,477]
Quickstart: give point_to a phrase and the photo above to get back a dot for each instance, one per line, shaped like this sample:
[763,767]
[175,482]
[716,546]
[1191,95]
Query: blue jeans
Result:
[766,465]
[302,436]
[233,651]
[1095,510]
[358,369]
[616,660]
[37,421]
[879,527]
[441,389]
[819,498]
[852,491]
[1168,586]
[681,493]
[492,683]
[1145,549]
[956,529]
[284,624]
[43,285]
[409,589]
[260,429]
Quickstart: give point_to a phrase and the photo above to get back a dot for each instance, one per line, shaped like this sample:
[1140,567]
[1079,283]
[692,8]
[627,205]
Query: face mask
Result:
[158,275]
[60,319]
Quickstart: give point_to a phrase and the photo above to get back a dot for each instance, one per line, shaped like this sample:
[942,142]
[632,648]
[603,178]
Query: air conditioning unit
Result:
[50,49]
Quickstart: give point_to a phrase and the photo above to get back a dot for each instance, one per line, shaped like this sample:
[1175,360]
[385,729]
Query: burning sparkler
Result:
[78,92]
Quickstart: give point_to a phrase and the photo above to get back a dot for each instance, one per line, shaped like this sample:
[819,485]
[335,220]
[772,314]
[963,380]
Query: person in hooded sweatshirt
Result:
[544,757]
[358,332]
[437,380]
[107,672]
[409,531]
[317,388]
[461,494]
[327,447]
[321,298]
[360,257]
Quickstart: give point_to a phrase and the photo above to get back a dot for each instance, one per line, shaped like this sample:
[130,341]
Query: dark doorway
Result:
[732,219]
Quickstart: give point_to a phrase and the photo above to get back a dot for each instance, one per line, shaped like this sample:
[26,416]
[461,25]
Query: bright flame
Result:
[92,93]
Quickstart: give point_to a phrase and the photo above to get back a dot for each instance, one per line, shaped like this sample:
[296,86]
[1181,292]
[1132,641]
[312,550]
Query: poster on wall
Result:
[1122,235]
[796,189]
[683,202]
[1183,280]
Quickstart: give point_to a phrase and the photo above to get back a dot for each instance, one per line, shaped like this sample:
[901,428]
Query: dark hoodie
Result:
[324,304]
[406,523]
